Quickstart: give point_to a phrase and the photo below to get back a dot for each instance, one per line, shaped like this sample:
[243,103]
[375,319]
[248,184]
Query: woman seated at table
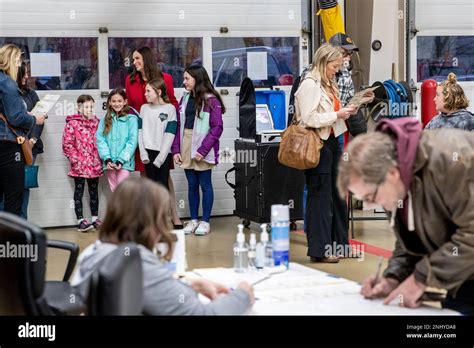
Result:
[139,211]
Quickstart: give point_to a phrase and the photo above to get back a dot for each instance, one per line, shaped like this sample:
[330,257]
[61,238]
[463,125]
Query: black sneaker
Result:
[84,226]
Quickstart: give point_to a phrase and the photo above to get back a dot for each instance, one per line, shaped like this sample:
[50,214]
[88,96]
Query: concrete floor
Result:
[215,250]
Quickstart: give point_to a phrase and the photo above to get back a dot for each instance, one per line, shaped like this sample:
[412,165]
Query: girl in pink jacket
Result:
[79,146]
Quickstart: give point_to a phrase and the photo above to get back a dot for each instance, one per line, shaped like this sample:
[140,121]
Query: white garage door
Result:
[88,65]
[444,43]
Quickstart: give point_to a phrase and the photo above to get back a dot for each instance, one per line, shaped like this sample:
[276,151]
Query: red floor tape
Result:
[368,248]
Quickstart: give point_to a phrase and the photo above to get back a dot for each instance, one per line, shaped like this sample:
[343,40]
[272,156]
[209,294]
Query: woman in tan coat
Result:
[318,104]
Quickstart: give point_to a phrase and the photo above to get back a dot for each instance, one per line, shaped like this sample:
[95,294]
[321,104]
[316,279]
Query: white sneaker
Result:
[203,229]
[190,227]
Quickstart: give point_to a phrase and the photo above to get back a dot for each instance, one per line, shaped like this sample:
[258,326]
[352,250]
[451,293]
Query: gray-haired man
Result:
[425,181]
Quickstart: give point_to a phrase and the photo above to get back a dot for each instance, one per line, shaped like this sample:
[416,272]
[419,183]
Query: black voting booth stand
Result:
[260,180]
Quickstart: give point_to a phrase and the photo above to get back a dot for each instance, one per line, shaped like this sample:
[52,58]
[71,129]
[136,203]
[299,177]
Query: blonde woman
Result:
[451,102]
[318,104]
[13,111]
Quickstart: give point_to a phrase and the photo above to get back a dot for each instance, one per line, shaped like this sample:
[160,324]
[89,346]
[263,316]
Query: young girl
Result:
[196,147]
[79,146]
[158,132]
[117,138]
[145,69]
[451,102]
[138,211]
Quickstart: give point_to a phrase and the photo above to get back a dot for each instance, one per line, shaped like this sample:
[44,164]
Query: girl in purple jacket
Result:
[196,145]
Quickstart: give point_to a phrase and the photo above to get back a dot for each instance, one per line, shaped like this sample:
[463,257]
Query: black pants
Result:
[326,213]
[160,175]
[464,301]
[12,176]
[93,185]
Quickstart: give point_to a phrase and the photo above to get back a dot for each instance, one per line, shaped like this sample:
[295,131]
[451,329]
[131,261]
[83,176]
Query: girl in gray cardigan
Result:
[138,211]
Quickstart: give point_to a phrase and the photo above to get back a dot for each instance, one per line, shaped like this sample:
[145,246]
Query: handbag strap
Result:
[2,117]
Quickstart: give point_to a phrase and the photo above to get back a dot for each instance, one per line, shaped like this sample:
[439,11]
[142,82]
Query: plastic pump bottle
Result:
[241,262]
[252,251]
[263,250]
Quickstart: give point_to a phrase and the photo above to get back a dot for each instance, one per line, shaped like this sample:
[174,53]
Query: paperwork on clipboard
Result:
[45,104]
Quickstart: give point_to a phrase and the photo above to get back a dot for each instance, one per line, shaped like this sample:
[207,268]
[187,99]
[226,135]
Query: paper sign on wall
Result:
[45,64]
[257,65]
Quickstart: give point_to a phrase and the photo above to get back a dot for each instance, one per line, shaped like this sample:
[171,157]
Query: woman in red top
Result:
[145,69]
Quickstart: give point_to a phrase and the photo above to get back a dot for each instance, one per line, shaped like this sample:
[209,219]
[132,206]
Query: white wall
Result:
[51,204]
[385,26]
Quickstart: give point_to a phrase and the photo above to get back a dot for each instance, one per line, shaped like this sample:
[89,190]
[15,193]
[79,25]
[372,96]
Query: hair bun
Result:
[452,78]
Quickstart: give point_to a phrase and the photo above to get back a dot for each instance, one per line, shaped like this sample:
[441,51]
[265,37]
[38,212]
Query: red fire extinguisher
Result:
[428,107]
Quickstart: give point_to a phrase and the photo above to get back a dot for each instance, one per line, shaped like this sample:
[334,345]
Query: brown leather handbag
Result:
[300,146]
[26,146]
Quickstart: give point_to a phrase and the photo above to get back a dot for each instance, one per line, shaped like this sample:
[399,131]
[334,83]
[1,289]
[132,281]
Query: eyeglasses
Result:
[370,199]
[374,196]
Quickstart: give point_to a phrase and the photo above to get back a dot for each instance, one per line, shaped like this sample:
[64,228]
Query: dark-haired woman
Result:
[117,138]
[145,69]
[30,97]
[196,145]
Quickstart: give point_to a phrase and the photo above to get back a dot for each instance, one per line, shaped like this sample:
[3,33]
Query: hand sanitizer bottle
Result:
[261,248]
[241,262]
[252,251]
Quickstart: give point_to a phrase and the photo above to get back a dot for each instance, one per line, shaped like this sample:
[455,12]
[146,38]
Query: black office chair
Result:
[23,290]
[116,287]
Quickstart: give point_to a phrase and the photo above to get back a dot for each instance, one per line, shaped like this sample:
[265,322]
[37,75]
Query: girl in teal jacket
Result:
[117,138]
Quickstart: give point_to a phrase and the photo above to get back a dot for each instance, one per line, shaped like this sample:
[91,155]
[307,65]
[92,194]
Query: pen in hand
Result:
[379,267]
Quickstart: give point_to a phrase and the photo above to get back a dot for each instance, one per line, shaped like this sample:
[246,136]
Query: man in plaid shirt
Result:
[344,76]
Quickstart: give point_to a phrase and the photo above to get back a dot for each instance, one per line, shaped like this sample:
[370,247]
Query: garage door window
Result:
[437,56]
[58,63]
[172,54]
[276,65]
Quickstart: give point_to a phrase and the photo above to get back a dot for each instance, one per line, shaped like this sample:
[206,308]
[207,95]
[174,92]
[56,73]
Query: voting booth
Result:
[260,179]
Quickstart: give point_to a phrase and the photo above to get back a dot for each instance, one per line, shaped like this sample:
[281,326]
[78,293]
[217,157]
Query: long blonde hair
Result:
[9,55]
[324,55]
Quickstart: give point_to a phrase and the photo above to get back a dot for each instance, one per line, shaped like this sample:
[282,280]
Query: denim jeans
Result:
[203,179]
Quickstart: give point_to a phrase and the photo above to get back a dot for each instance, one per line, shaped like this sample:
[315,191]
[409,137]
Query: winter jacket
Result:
[136,91]
[120,143]
[136,98]
[316,108]
[79,146]
[461,119]
[208,128]
[158,131]
[14,110]
[30,97]
[436,239]
[161,291]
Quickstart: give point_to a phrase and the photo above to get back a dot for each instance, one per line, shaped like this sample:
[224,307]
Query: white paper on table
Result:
[45,104]
[229,277]
[257,65]
[45,64]
[178,262]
